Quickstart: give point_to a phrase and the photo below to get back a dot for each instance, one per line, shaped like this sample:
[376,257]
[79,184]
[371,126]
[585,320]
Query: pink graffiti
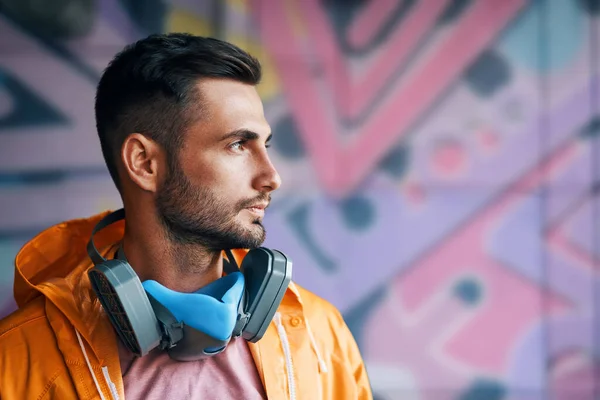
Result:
[449,159]
[510,302]
[579,256]
[488,140]
[341,168]
[574,375]
[42,149]
[370,20]
[557,236]
[414,340]
[415,193]
[391,55]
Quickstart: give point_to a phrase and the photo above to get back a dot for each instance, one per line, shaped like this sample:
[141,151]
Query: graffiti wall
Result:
[439,160]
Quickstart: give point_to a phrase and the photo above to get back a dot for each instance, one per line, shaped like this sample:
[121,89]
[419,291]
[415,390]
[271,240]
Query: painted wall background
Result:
[439,160]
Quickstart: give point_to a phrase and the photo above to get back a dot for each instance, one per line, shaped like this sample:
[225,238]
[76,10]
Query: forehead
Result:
[226,105]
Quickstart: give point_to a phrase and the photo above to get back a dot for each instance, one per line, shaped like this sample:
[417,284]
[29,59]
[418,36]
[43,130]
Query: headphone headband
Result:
[106,221]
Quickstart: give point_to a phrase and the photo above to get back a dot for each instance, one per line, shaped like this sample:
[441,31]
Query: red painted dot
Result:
[449,159]
[488,139]
[414,192]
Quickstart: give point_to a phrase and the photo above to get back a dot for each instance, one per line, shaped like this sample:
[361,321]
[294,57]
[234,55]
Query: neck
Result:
[180,267]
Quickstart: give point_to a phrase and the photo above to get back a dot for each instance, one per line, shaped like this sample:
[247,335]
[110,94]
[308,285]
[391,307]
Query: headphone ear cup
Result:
[268,273]
[124,300]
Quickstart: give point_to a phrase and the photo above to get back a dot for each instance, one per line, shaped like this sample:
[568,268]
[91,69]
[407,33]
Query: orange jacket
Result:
[60,334]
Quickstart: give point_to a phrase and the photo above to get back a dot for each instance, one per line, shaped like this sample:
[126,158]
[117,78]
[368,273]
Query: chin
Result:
[260,234]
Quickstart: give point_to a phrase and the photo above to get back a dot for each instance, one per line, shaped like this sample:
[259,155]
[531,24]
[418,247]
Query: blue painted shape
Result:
[591,129]
[22,236]
[454,10]
[488,74]
[148,15]
[564,19]
[8,252]
[298,220]
[57,20]
[591,7]
[358,212]
[51,176]
[28,108]
[287,140]
[343,12]
[396,162]
[484,389]
[469,291]
[356,318]
[38,177]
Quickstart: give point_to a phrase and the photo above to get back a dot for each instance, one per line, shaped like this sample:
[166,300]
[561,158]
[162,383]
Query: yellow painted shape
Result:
[180,20]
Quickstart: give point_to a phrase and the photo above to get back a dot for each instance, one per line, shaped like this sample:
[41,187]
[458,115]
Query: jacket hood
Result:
[54,264]
[55,255]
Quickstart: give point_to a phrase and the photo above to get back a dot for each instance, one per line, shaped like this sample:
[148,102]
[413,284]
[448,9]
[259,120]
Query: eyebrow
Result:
[245,134]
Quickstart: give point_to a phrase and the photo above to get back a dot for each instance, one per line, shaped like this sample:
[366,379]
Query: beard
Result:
[197,215]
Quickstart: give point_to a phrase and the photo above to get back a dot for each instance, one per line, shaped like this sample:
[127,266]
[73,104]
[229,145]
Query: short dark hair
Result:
[148,86]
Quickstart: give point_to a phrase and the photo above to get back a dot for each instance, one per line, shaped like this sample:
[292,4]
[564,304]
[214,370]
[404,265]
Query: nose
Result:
[267,179]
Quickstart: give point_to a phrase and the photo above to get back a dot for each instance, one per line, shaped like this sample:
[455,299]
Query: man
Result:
[185,140]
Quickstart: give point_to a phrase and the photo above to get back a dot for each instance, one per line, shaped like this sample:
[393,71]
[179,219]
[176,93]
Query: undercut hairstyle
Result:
[150,86]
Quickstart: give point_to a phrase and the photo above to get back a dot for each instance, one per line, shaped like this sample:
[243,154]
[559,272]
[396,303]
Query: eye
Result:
[237,145]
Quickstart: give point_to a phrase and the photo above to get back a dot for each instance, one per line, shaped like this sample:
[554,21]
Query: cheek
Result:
[203,172]
[226,176]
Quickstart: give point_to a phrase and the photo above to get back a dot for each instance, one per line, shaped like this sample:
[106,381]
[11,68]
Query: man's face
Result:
[219,185]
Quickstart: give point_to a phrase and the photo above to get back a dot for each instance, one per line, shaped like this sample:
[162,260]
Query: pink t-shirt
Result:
[231,375]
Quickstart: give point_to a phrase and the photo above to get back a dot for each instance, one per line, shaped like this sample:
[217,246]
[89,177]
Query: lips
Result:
[258,209]
[259,206]
[257,212]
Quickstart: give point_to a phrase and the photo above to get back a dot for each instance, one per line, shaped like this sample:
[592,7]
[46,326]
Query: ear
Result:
[142,158]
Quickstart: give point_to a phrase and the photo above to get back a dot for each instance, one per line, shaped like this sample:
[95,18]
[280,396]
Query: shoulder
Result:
[331,331]
[28,349]
[29,318]
[321,313]
[315,302]
[25,332]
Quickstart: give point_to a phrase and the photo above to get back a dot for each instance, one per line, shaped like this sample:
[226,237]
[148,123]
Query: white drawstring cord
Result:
[112,387]
[313,342]
[287,354]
